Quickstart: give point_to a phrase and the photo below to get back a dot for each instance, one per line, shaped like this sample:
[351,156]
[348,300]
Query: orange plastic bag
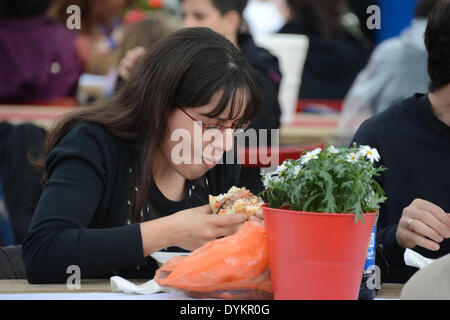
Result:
[234,267]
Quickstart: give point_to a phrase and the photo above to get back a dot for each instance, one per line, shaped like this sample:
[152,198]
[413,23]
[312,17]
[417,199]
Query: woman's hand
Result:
[195,227]
[129,61]
[423,224]
[259,217]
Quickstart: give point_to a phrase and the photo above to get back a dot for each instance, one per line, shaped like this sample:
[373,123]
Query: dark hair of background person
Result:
[424,7]
[437,41]
[321,16]
[225,6]
[24,8]
[58,11]
[185,69]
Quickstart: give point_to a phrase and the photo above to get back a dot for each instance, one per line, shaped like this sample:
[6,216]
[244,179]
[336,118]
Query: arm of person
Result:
[62,232]
[127,64]
[129,61]
[188,229]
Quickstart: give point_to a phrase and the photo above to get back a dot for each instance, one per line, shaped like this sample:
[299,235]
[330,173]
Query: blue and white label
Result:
[370,259]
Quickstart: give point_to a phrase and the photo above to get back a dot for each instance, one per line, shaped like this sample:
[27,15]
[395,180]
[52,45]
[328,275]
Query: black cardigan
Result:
[79,219]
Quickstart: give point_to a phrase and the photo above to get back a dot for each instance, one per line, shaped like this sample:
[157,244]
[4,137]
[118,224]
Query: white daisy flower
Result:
[297,170]
[352,157]
[280,168]
[310,156]
[274,175]
[333,150]
[370,153]
[266,180]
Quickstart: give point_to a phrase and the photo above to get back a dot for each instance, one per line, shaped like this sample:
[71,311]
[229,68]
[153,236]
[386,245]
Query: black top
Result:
[415,147]
[332,63]
[80,217]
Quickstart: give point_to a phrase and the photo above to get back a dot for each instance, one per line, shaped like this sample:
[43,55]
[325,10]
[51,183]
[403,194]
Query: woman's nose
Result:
[227,139]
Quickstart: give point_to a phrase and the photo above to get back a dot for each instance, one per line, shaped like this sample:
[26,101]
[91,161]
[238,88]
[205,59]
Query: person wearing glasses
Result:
[114,189]
[226,18]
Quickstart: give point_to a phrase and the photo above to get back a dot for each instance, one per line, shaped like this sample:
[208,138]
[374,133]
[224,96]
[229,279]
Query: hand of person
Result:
[423,224]
[197,226]
[129,61]
[259,217]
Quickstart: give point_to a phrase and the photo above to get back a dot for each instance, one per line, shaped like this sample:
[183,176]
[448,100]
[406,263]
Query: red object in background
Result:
[246,155]
[56,102]
[311,104]
[134,16]
[155,4]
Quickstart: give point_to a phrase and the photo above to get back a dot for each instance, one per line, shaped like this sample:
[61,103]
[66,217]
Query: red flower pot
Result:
[316,256]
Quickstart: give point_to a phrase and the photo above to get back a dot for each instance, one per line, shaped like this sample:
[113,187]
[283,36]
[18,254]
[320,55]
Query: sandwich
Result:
[236,200]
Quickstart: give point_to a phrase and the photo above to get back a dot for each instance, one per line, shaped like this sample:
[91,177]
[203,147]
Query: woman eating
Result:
[115,192]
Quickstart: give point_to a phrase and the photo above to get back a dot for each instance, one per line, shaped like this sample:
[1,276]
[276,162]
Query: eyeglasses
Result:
[235,126]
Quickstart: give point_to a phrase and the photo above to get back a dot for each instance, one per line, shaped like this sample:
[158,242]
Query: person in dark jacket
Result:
[413,139]
[225,17]
[21,182]
[335,56]
[131,176]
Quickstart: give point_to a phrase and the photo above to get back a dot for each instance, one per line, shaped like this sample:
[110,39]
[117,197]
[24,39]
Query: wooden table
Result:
[42,116]
[90,285]
[388,291]
[306,128]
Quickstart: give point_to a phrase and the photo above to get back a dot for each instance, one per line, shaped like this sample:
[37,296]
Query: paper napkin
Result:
[413,259]
[119,284]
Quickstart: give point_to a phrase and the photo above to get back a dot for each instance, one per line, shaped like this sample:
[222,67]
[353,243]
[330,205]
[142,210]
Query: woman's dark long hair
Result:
[185,69]
[321,16]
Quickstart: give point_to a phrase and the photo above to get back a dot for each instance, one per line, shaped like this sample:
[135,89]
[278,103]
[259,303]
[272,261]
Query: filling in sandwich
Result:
[237,200]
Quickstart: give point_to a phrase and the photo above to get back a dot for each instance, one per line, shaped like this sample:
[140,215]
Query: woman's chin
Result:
[209,164]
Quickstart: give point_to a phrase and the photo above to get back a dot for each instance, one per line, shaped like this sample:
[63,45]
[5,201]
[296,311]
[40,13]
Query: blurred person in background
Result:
[396,70]
[40,59]
[138,37]
[335,55]
[413,141]
[225,17]
[101,29]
